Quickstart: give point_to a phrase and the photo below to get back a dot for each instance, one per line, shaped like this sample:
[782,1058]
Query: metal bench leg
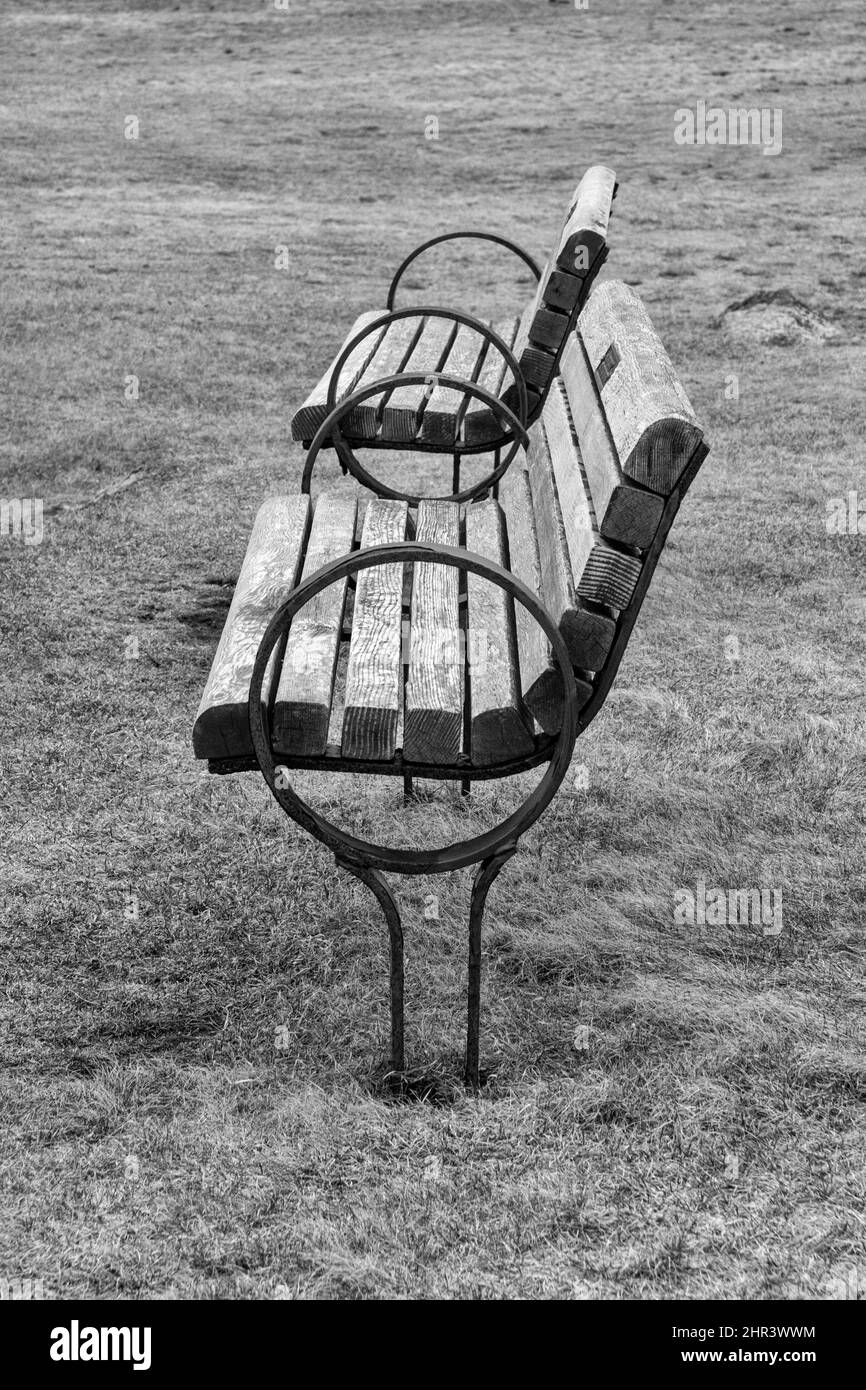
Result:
[455,473]
[379,887]
[485,875]
[408,788]
[366,859]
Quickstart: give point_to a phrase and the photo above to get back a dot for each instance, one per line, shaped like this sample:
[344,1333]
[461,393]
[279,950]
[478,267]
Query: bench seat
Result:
[419,665]
[410,664]
[408,415]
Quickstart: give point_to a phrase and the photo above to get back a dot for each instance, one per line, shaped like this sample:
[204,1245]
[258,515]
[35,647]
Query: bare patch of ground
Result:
[778,318]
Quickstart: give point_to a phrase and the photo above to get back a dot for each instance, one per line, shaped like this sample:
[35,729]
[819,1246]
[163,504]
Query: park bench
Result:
[442,374]
[390,643]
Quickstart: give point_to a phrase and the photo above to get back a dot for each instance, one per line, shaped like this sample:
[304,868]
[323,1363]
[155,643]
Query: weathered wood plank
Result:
[609,577]
[536,363]
[540,678]
[375,672]
[338,695]
[303,700]
[625,513]
[565,280]
[433,730]
[402,411]
[479,422]
[548,329]
[363,421]
[444,409]
[561,290]
[314,411]
[499,725]
[584,235]
[267,576]
[601,572]
[651,420]
[530,309]
[587,634]
[574,504]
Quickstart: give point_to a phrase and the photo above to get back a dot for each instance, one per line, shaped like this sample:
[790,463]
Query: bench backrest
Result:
[577,257]
[613,451]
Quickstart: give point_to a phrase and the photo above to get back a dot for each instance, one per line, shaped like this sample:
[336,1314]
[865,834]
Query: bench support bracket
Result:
[485,875]
[379,887]
[367,860]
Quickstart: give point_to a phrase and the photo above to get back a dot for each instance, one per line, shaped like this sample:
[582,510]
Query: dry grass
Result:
[704,1138]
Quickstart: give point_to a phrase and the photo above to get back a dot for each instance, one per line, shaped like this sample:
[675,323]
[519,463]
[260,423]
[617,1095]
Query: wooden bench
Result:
[387,639]
[443,375]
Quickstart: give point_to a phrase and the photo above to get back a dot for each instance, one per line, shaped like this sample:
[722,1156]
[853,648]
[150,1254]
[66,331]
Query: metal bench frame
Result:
[460,236]
[490,851]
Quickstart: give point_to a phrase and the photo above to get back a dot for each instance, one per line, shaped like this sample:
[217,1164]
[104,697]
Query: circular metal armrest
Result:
[433,311]
[329,433]
[454,236]
[365,852]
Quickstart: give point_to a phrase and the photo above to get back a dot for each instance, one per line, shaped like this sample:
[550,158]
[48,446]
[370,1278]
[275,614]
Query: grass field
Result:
[673,1112]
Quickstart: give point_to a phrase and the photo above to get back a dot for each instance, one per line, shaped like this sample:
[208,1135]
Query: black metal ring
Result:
[329,432]
[454,236]
[364,852]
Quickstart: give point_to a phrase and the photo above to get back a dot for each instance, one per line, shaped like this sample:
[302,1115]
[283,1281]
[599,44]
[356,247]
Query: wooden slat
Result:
[375,671]
[536,363]
[267,576]
[499,724]
[651,420]
[401,414]
[564,282]
[312,413]
[561,290]
[584,234]
[445,407]
[587,634]
[609,577]
[389,357]
[479,422]
[549,328]
[601,572]
[574,504]
[303,703]
[540,678]
[338,695]
[625,513]
[434,690]
[521,337]
[529,312]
